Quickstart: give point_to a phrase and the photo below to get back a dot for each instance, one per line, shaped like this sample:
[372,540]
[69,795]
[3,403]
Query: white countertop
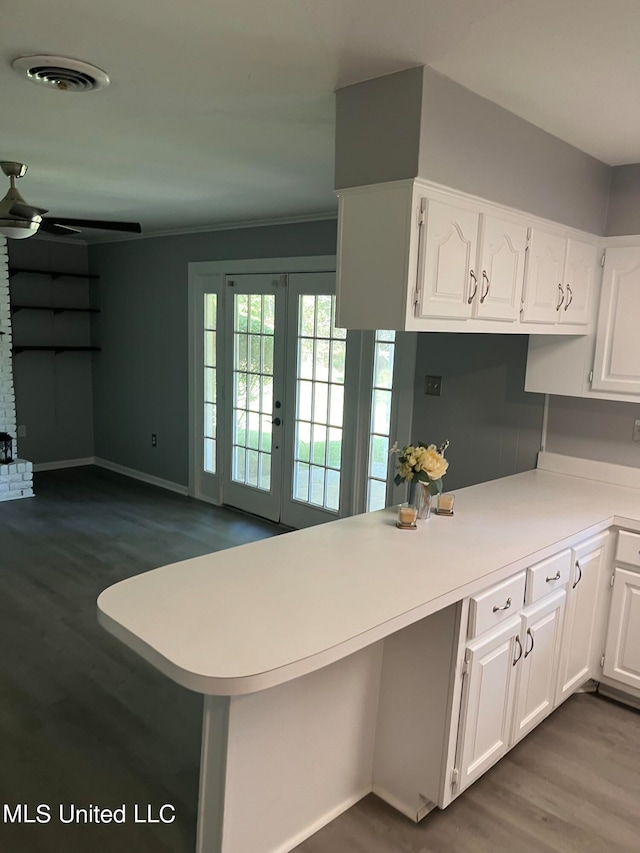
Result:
[251,617]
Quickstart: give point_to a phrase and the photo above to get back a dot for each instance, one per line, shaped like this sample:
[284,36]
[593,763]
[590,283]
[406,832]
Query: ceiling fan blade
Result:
[54,228]
[107,225]
[25,211]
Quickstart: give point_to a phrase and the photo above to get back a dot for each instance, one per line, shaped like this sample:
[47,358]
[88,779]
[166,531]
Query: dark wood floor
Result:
[84,721]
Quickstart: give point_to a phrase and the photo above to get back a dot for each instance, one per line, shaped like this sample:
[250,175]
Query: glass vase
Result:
[418,495]
[423,501]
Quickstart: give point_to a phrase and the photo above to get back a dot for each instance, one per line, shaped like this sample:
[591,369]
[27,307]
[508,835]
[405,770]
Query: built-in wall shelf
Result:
[52,348]
[52,273]
[57,309]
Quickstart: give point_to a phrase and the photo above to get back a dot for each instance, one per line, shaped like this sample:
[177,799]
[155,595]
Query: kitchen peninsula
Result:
[333,659]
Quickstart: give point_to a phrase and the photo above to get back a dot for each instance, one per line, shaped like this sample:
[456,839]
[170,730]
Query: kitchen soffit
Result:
[222,113]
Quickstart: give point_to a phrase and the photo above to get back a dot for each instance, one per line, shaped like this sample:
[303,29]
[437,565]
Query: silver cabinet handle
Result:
[579,578]
[516,659]
[555,577]
[504,606]
[475,287]
[559,305]
[485,289]
[529,650]
[569,297]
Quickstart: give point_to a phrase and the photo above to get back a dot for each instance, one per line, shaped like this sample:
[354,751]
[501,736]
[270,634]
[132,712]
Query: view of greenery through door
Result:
[320,375]
[254,330]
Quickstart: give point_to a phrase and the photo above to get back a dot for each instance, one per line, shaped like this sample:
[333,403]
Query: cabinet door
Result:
[579,632]
[535,692]
[487,701]
[448,276]
[502,255]
[544,288]
[622,651]
[617,358]
[579,274]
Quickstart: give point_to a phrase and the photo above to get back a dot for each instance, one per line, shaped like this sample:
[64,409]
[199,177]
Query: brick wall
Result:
[16,478]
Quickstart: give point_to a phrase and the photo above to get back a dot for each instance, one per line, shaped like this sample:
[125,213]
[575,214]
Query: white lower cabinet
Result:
[487,702]
[582,635]
[540,636]
[510,684]
[506,657]
[622,650]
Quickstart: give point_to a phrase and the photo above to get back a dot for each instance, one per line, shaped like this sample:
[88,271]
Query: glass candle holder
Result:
[445,504]
[407,515]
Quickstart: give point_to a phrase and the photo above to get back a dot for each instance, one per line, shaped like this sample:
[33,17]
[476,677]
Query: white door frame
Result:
[208,277]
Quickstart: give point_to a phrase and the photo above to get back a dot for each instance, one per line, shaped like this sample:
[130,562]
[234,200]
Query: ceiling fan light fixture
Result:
[18,229]
[61,73]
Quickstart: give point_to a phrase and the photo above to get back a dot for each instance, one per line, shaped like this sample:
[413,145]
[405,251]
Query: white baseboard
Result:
[140,475]
[602,472]
[63,463]
[326,818]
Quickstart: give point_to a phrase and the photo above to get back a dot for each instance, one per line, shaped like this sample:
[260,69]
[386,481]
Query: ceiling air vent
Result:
[61,73]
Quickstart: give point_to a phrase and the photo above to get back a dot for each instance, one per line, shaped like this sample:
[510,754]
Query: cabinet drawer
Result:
[494,605]
[628,549]
[548,575]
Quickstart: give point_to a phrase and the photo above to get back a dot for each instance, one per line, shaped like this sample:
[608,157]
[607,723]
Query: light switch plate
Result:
[433,385]
[636,429]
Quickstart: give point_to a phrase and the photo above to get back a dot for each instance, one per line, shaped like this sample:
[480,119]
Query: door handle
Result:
[528,651]
[559,305]
[569,297]
[485,292]
[276,421]
[516,659]
[472,275]
[579,578]
[555,577]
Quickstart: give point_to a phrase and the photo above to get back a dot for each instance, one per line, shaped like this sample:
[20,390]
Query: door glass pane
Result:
[380,424]
[318,439]
[253,332]
[210,379]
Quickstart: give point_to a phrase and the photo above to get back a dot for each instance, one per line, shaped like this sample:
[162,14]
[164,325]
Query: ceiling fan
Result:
[19,219]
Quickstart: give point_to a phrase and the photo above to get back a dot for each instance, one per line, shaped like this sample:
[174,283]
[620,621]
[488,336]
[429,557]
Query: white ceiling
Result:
[223,112]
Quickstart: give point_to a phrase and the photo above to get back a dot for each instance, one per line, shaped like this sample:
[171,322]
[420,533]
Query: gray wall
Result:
[53,392]
[593,429]
[141,375]
[470,143]
[494,426]
[624,201]
[465,142]
[378,129]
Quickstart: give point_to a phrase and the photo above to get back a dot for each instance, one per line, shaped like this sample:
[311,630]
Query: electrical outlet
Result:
[433,385]
[636,429]
[22,431]
[154,439]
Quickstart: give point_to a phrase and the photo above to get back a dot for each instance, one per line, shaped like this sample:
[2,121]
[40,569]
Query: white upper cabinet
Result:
[544,291]
[580,269]
[560,279]
[448,277]
[617,356]
[502,255]
[416,257]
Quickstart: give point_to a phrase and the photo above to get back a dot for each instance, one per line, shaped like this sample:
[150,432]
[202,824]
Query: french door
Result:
[270,373]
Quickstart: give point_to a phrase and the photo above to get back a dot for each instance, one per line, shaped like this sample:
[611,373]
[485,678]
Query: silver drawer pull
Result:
[504,606]
[555,577]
